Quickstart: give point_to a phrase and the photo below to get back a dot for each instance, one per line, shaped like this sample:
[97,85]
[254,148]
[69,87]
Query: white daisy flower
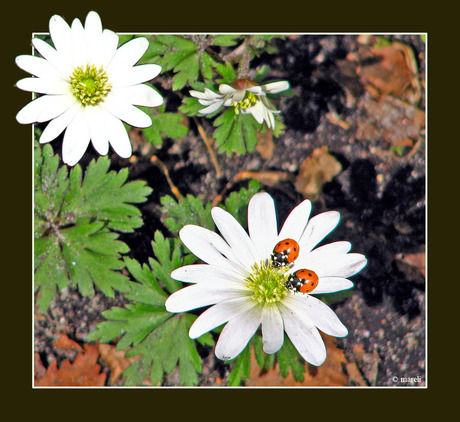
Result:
[247,289]
[245,96]
[90,86]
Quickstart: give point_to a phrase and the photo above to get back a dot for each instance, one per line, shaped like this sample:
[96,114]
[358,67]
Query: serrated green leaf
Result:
[165,125]
[242,367]
[159,339]
[237,202]
[225,40]
[189,210]
[289,359]
[235,133]
[74,219]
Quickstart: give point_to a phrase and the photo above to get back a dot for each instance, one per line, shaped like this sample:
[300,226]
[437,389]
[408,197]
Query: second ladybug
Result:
[303,281]
[285,252]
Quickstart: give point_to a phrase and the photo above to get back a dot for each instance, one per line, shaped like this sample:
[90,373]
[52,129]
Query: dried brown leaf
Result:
[330,373]
[115,359]
[316,170]
[64,342]
[84,371]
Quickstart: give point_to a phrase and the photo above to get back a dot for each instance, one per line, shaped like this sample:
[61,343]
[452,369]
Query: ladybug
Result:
[303,281]
[285,252]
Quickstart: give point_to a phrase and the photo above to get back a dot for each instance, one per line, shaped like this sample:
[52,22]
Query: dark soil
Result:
[380,194]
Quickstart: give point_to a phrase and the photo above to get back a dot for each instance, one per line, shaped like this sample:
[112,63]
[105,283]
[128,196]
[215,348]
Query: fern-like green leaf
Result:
[189,210]
[236,133]
[159,339]
[75,220]
[184,57]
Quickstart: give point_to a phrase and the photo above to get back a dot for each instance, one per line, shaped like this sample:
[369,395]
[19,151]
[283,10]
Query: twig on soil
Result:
[155,160]
[210,150]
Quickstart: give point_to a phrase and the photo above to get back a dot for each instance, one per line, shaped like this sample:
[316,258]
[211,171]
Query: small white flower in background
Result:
[245,96]
[90,86]
[247,290]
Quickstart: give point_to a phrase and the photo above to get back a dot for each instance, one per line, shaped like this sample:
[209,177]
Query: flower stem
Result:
[209,147]
[155,160]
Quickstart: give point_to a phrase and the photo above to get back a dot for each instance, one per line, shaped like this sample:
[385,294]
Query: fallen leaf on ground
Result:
[367,362]
[64,342]
[84,371]
[330,373]
[316,170]
[392,70]
[115,359]
[270,178]
[265,145]
[391,119]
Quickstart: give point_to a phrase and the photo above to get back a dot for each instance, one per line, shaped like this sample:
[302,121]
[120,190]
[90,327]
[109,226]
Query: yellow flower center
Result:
[268,283]
[90,85]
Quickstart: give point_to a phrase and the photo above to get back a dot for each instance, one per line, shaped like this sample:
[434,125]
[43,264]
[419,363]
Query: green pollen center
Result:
[249,100]
[268,283]
[90,85]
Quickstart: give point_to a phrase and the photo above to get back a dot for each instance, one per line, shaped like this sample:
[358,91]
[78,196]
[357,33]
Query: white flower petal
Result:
[93,35]
[61,63]
[98,131]
[237,333]
[52,86]
[139,74]
[321,315]
[76,140]
[198,273]
[322,255]
[140,95]
[240,242]
[332,284]
[295,223]
[304,336]
[212,108]
[341,266]
[118,137]
[258,112]
[109,44]
[272,329]
[44,108]
[209,247]
[317,229]
[60,35]
[56,126]
[37,66]
[219,314]
[225,89]
[262,224]
[131,115]
[275,87]
[201,294]
[125,57]
[78,44]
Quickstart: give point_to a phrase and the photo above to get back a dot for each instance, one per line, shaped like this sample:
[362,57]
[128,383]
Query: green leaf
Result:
[159,339]
[75,219]
[164,125]
[242,368]
[225,40]
[189,210]
[183,56]
[236,133]
[237,202]
[290,359]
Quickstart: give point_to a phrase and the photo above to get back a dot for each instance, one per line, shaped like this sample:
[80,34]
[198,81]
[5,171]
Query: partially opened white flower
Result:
[247,290]
[90,86]
[245,96]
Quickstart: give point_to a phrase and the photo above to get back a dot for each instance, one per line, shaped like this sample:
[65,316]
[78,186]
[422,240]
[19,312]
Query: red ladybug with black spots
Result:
[285,253]
[303,281]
